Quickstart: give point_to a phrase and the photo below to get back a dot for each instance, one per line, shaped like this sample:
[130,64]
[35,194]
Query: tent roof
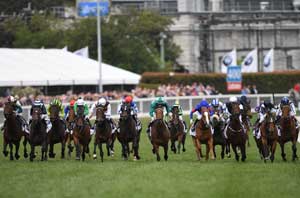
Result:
[41,67]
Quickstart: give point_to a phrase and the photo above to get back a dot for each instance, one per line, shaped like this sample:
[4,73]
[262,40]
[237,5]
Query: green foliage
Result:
[25,91]
[276,82]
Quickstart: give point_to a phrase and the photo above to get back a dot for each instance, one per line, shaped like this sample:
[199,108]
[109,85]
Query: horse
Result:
[235,133]
[128,133]
[203,135]
[38,134]
[13,133]
[103,133]
[70,122]
[218,136]
[288,132]
[269,136]
[246,116]
[57,134]
[177,131]
[160,134]
[81,134]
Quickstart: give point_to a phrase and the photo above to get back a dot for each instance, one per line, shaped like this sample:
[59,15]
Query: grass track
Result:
[181,176]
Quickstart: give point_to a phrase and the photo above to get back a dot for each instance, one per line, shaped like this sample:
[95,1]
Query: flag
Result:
[269,61]
[65,48]
[250,63]
[84,52]
[228,60]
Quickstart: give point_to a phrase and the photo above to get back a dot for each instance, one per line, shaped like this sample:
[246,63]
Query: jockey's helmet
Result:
[176,103]
[11,99]
[204,103]
[102,101]
[54,102]
[72,102]
[160,100]
[233,99]
[215,103]
[128,99]
[285,100]
[80,102]
[243,99]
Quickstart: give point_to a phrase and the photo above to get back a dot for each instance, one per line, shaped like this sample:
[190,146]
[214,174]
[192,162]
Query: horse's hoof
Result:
[25,155]
[11,158]
[17,156]
[135,158]
[31,159]
[112,152]
[166,158]
[94,156]
[229,155]
[51,155]
[153,151]
[158,159]
[183,150]
[5,153]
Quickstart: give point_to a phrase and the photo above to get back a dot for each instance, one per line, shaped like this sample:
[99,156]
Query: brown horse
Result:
[236,134]
[160,134]
[103,133]
[246,116]
[218,136]
[269,136]
[177,131]
[57,134]
[38,134]
[13,132]
[288,132]
[70,122]
[203,135]
[81,134]
[128,133]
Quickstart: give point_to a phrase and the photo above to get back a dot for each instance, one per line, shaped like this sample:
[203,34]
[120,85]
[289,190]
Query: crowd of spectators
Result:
[249,89]
[168,90]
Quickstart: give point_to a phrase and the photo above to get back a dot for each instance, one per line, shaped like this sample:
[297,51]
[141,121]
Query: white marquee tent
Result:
[48,67]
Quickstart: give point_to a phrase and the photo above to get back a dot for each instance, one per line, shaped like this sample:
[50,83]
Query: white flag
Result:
[228,60]
[250,63]
[269,61]
[65,48]
[83,52]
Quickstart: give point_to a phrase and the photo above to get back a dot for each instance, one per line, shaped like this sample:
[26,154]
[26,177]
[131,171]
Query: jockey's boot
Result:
[185,127]
[112,124]
[277,119]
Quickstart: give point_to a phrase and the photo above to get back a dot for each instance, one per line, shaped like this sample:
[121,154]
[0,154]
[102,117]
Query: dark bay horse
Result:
[288,132]
[246,116]
[160,134]
[70,122]
[236,134]
[269,136]
[218,137]
[128,133]
[13,133]
[57,134]
[38,134]
[203,135]
[81,134]
[177,131]
[103,133]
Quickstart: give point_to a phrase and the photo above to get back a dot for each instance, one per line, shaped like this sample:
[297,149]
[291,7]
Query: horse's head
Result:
[71,115]
[100,113]
[235,110]
[125,111]
[247,110]
[36,113]
[159,112]
[285,111]
[205,116]
[175,114]
[54,112]
[80,111]
[9,110]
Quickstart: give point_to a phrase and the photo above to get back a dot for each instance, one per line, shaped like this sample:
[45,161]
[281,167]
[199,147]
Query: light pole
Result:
[100,88]
[162,50]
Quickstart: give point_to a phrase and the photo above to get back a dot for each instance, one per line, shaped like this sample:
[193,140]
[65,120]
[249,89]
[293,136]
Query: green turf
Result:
[181,176]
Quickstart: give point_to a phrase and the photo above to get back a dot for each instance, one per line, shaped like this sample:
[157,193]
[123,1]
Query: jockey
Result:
[262,109]
[197,109]
[228,109]
[285,101]
[59,104]
[244,100]
[134,110]
[179,113]
[39,104]
[217,108]
[18,110]
[154,104]
[67,109]
[81,103]
[102,102]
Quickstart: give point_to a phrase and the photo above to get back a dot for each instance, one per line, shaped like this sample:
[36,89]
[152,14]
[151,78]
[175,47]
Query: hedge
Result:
[275,82]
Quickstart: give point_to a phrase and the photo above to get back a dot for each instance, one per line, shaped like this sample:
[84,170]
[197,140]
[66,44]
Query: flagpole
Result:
[100,88]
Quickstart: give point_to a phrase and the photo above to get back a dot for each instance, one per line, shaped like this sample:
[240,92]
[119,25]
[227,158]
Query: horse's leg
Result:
[32,156]
[166,147]
[113,138]
[294,148]
[17,156]
[273,147]
[222,151]
[77,146]
[108,146]
[95,148]
[207,151]
[44,151]
[128,149]
[243,151]
[83,149]
[264,149]
[227,146]
[5,152]
[211,148]
[51,153]
[173,146]
[214,151]
[11,156]
[24,145]
[282,151]
[70,147]
[156,149]
[180,138]
[237,157]
[135,145]
[195,141]
[101,151]
[63,147]
[183,142]
[124,151]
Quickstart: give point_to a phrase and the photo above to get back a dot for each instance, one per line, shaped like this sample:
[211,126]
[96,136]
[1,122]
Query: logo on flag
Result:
[269,61]
[228,59]
[250,63]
